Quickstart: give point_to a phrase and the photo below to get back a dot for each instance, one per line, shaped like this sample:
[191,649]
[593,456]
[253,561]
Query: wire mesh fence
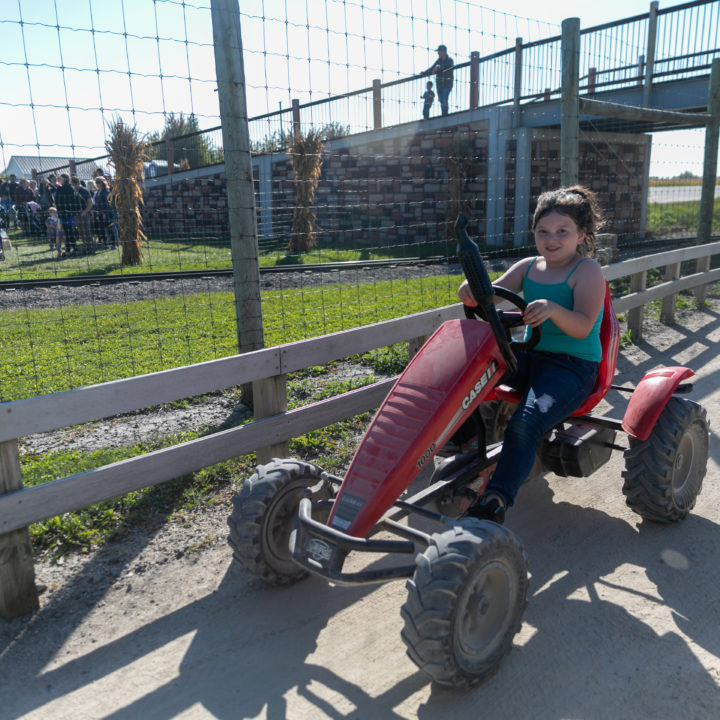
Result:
[390,182]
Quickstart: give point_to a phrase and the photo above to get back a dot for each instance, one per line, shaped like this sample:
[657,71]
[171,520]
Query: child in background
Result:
[429,97]
[54,230]
[565,291]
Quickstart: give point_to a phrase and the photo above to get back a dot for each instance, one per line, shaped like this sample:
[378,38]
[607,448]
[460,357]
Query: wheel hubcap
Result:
[682,470]
[486,609]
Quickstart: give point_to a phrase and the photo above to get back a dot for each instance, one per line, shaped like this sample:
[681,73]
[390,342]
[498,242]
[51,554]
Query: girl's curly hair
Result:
[579,204]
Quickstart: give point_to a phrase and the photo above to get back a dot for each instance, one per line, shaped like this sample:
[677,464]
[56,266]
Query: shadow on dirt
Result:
[590,647]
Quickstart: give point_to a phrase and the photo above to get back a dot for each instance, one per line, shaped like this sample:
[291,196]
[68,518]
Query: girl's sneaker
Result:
[488,507]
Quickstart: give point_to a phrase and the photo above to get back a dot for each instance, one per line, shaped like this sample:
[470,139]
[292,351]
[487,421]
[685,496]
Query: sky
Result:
[70,66]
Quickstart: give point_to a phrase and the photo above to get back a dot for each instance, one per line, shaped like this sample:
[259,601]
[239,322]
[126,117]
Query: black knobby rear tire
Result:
[465,602]
[663,475]
[263,514]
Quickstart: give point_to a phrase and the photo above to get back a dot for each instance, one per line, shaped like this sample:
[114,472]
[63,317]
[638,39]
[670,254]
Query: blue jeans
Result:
[553,387]
[443,93]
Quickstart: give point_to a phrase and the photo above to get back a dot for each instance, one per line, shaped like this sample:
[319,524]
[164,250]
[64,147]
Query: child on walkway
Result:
[54,230]
[565,290]
[429,97]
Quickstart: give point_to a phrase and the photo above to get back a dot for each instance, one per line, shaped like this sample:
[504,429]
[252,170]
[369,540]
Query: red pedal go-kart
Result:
[468,581]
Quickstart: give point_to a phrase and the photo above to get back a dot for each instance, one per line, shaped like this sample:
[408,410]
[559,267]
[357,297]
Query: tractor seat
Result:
[609,340]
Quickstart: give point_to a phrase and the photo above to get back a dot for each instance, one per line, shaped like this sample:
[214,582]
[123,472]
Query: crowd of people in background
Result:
[75,217]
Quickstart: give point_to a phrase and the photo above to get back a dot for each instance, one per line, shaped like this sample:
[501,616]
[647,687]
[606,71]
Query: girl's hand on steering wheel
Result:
[538,311]
[466,297]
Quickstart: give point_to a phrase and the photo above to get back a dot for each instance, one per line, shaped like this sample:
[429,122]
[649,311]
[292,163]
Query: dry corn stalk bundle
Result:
[127,152]
[306,161]
[458,164]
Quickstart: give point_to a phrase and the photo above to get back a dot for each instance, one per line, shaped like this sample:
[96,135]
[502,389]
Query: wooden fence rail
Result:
[19,507]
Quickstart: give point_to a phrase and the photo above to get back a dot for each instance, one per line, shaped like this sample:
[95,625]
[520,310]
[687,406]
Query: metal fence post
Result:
[707,196]
[570,102]
[474,79]
[650,54]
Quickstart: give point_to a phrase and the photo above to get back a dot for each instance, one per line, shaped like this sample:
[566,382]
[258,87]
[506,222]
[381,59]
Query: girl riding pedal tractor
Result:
[565,289]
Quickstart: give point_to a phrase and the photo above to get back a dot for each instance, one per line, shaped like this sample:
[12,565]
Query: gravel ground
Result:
[96,293]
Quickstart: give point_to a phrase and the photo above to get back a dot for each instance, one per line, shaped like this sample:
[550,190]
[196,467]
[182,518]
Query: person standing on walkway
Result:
[428,98]
[442,68]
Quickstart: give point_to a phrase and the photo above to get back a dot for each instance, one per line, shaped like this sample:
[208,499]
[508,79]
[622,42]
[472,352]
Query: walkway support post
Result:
[570,102]
[517,89]
[377,104]
[474,79]
[650,53]
[295,116]
[707,195]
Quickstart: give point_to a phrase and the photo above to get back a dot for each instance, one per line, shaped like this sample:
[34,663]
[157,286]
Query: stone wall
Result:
[392,186]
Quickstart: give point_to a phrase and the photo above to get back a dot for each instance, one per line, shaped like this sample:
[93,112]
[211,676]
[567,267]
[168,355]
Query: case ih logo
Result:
[479,385]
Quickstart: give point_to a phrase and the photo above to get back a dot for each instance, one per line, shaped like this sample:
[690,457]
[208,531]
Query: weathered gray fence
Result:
[19,507]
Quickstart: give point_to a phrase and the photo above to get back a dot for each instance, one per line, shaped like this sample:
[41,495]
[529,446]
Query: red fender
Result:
[649,398]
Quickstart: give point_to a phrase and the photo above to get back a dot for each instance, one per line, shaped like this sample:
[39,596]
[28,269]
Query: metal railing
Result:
[660,45]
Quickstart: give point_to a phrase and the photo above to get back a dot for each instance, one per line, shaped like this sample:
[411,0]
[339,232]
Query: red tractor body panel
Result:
[455,370]
[649,398]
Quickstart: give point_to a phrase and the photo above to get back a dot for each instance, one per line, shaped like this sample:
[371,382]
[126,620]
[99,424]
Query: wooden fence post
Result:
[667,312]
[570,103]
[270,398]
[18,594]
[638,282]
[230,72]
[415,344]
[592,80]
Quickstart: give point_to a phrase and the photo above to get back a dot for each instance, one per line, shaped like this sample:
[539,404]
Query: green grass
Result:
[49,350]
[31,259]
[678,218]
[150,507]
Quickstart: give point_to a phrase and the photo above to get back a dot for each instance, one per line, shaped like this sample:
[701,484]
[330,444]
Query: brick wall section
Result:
[394,190]
[612,165]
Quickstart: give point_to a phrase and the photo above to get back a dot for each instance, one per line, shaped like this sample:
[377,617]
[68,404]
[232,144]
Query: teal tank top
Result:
[553,338]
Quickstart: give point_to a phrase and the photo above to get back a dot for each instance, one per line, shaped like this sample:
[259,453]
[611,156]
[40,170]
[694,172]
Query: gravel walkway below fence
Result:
[95,293]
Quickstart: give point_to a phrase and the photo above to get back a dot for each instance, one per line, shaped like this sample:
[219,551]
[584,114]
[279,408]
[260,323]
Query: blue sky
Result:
[70,66]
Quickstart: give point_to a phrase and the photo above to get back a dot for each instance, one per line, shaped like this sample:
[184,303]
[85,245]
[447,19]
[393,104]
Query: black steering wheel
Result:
[483,291]
[509,319]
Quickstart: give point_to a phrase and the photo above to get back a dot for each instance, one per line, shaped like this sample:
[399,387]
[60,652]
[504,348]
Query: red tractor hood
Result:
[453,372]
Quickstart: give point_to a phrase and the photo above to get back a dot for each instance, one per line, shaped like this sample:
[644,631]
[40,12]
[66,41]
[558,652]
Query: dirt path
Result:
[623,618]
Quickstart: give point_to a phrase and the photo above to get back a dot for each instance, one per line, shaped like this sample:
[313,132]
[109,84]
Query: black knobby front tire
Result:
[465,602]
[263,515]
[663,475]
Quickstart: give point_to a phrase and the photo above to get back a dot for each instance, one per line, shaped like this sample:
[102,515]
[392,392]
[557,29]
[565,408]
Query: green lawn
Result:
[49,350]
[678,218]
[32,259]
